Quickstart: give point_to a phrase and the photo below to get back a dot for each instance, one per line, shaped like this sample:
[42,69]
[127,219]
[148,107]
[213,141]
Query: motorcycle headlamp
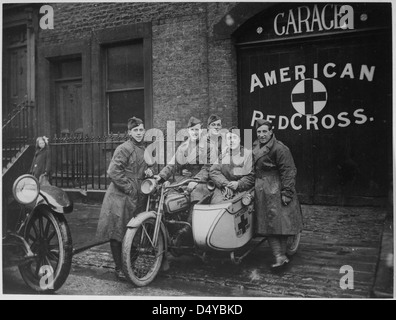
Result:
[148,186]
[247,199]
[26,189]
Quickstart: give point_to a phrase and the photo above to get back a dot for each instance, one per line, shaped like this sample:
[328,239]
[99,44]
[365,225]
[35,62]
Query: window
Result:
[67,112]
[124,84]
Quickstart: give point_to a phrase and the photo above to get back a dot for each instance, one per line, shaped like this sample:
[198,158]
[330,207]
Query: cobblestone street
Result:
[333,237]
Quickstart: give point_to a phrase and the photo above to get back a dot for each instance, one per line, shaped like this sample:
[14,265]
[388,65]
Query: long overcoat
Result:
[123,199]
[275,176]
[237,166]
[41,162]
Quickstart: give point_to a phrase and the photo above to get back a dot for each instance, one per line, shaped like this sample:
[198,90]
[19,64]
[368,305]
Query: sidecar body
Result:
[225,226]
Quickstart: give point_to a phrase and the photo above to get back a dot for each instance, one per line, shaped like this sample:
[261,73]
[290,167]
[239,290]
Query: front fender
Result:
[138,220]
[56,199]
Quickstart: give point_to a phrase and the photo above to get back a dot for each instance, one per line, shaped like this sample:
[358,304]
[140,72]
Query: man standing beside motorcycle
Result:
[278,212]
[235,173]
[123,198]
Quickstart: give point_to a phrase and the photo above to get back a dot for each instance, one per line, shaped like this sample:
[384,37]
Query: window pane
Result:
[70,69]
[125,67]
[125,105]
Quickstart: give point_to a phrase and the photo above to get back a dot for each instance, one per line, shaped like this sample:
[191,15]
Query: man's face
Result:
[195,132]
[215,127]
[137,133]
[233,140]
[264,134]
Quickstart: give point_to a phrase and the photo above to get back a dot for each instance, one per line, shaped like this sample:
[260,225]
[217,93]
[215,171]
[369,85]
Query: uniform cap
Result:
[134,122]
[213,118]
[193,122]
[262,122]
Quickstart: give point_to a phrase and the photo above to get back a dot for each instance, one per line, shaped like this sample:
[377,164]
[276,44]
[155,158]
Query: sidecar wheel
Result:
[141,259]
[48,236]
[292,244]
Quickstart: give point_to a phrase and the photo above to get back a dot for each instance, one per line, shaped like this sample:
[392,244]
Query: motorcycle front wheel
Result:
[292,244]
[141,258]
[49,238]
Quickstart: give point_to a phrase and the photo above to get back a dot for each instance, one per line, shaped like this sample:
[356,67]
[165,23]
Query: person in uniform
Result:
[278,212]
[210,147]
[235,172]
[123,199]
[189,158]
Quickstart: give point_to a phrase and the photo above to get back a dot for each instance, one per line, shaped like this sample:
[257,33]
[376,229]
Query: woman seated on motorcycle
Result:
[235,172]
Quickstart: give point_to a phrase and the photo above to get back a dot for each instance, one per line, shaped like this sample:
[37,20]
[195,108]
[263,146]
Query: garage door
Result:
[330,101]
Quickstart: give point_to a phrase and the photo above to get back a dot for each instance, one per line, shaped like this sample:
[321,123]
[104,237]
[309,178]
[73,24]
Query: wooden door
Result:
[68,109]
[330,102]
[15,69]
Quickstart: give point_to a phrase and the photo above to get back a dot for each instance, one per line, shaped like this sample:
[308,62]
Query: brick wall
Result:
[193,74]
[75,21]
[180,70]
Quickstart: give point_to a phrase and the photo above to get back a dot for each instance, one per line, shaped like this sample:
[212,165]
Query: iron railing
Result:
[17,132]
[81,162]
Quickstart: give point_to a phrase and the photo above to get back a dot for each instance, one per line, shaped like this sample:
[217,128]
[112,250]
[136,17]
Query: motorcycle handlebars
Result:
[184,183]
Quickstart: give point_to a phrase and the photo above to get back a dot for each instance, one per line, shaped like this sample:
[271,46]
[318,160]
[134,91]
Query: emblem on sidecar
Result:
[242,223]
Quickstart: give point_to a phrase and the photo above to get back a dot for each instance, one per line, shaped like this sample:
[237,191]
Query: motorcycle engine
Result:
[176,203]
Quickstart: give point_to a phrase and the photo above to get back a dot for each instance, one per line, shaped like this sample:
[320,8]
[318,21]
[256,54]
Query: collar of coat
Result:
[41,150]
[207,140]
[237,156]
[140,144]
[188,146]
[264,150]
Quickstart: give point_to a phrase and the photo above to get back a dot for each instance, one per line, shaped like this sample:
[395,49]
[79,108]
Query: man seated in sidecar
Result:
[235,172]
[223,222]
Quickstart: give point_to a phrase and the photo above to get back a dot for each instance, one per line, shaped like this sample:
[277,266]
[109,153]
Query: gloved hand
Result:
[186,173]
[233,185]
[191,186]
[227,193]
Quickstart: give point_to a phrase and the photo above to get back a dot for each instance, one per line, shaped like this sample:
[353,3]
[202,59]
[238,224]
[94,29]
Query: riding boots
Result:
[278,246]
[116,250]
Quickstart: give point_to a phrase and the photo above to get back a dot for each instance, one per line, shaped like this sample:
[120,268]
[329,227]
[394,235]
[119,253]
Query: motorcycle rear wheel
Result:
[49,237]
[292,244]
[141,259]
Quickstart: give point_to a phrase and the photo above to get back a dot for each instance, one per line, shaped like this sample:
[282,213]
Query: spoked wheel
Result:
[293,243]
[141,259]
[49,238]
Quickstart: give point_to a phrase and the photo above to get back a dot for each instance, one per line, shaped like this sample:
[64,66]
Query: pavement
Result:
[384,279]
[333,237]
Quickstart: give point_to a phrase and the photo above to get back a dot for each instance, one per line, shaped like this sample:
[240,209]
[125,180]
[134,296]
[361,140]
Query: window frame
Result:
[112,37]
[128,89]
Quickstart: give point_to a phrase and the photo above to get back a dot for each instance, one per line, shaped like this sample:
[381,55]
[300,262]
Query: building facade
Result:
[321,72]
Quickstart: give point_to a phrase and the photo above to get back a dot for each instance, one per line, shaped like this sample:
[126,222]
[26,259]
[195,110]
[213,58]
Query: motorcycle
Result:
[38,240]
[223,227]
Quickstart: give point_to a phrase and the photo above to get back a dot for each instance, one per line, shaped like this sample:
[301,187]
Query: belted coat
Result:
[123,199]
[235,166]
[275,176]
[189,157]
